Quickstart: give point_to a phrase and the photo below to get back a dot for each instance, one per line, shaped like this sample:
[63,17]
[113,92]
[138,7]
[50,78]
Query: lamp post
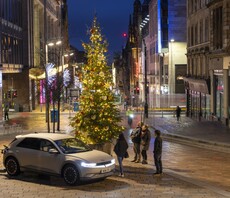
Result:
[171,67]
[47,91]
[146,93]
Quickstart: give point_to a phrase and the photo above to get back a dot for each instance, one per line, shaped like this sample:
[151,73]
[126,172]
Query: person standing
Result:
[145,141]
[178,112]
[136,139]
[129,114]
[157,152]
[120,149]
[6,112]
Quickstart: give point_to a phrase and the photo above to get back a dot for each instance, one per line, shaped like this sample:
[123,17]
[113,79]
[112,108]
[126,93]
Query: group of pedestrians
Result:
[141,138]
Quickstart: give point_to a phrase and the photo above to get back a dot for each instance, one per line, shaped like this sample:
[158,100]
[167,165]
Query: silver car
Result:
[56,154]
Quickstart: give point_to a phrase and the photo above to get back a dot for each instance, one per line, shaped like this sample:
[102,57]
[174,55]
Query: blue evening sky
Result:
[113,17]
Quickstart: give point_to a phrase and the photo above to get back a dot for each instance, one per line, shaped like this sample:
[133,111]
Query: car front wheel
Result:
[12,166]
[70,175]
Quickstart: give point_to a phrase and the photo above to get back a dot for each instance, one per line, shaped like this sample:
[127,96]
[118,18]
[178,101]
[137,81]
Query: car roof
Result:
[50,136]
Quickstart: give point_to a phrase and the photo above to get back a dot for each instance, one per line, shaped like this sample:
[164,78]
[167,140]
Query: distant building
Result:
[208,52]
[15,56]
[197,83]
[156,50]
[165,52]
[26,27]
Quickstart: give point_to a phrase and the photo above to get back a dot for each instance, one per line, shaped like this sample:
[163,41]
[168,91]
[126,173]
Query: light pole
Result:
[171,67]
[146,93]
[47,90]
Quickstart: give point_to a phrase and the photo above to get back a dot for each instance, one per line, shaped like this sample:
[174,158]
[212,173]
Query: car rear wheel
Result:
[12,166]
[70,175]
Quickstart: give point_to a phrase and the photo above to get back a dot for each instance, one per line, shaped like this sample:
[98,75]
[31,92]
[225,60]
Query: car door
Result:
[27,152]
[49,162]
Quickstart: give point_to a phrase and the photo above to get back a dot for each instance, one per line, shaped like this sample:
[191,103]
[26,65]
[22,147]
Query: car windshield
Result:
[72,145]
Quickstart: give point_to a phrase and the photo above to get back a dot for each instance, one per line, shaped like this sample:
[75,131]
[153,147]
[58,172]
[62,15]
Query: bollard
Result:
[162,113]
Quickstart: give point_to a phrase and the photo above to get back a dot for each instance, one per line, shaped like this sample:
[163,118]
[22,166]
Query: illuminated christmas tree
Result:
[98,119]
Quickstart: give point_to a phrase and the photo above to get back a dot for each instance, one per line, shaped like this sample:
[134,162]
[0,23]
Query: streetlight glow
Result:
[50,44]
[59,42]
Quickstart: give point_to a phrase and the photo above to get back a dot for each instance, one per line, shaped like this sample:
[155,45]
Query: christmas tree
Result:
[98,119]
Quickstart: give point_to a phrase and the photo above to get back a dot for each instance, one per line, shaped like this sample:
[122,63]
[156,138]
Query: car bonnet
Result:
[93,156]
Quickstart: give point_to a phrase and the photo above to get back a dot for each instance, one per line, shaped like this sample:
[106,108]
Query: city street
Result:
[188,172]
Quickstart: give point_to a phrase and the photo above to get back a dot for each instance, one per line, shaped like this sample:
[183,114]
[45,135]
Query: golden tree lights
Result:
[98,119]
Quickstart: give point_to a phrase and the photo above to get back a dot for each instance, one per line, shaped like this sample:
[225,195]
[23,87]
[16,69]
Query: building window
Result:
[196,34]
[201,31]
[192,36]
[218,28]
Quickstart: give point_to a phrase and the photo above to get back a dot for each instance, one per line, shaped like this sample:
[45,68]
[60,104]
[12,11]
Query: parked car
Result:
[56,154]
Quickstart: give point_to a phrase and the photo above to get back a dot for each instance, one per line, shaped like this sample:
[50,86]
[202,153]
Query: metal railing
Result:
[12,128]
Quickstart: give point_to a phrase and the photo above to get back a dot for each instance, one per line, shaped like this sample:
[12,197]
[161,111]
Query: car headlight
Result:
[88,165]
[113,161]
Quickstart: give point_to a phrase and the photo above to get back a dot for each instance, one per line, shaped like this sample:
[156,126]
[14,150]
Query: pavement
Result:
[210,133]
[207,133]
[137,181]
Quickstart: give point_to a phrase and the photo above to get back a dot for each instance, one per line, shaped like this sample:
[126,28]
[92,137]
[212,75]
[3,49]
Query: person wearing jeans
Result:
[136,139]
[120,149]
[145,141]
[157,152]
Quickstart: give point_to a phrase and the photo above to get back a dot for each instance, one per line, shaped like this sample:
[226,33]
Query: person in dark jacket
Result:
[157,152]
[6,112]
[136,139]
[178,112]
[120,149]
[145,141]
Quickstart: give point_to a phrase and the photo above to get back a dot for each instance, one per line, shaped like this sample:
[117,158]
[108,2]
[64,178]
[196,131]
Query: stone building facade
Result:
[207,83]
[219,58]
[198,41]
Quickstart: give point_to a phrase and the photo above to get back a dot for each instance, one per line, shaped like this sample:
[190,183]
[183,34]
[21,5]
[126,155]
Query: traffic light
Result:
[9,94]
[147,87]
[15,94]
[137,90]
[124,34]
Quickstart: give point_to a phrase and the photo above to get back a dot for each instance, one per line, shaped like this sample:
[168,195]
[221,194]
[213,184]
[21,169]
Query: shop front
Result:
[198,98]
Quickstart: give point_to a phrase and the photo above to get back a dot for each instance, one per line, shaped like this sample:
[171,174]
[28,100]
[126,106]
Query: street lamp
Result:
[146,84]
[171,67]
[50,44]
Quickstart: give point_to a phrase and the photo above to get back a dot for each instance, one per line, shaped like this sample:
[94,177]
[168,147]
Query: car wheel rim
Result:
[12,166]
[70,175]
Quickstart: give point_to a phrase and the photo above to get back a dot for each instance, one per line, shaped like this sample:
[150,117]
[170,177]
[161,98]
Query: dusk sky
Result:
[113,17]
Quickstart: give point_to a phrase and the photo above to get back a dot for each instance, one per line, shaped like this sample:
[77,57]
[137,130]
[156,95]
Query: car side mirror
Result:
[53,151]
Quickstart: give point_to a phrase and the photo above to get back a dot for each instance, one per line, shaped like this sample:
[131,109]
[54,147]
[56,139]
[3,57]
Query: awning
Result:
[198,85]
